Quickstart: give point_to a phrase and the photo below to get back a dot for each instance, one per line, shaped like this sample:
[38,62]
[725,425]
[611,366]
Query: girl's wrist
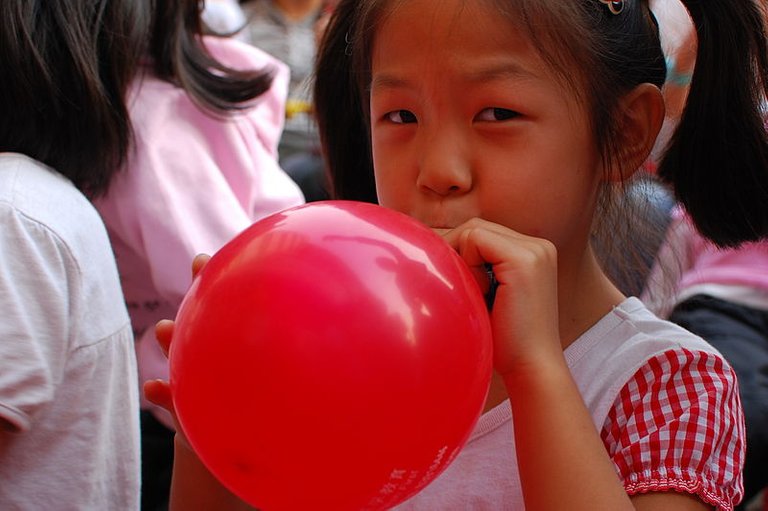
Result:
[536,375]
[180,441]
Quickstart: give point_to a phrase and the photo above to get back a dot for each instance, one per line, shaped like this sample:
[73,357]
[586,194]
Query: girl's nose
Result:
[444,166]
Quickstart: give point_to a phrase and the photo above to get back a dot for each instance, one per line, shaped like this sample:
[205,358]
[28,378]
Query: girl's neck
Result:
[583,300]
[297,9]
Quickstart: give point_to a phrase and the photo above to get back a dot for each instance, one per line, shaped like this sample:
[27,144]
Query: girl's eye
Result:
[401,117]
[497,114]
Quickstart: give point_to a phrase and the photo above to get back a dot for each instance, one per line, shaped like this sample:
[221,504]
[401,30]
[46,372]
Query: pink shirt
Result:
[746,265]
[193,181]
[687,264]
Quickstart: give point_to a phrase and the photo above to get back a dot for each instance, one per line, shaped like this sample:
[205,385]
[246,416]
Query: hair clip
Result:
[614,7]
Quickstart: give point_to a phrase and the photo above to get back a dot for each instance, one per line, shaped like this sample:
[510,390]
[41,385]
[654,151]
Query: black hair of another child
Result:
[69,65]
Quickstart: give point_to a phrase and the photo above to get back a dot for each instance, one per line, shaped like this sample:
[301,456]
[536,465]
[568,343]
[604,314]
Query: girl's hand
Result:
[193,486]
[528,355]
[524,317]
[159,391]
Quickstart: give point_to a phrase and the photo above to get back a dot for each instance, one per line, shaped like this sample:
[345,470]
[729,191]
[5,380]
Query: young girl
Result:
[503,124]
[206,115]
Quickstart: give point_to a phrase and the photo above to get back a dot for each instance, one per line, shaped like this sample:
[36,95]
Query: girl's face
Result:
[468,121]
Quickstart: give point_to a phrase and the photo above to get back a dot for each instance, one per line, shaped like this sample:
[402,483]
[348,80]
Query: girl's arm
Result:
[669,500]
[193,486]
[561,458]
[563,462]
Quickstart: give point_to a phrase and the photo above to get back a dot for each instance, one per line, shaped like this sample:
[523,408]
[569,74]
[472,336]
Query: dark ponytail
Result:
[717,159]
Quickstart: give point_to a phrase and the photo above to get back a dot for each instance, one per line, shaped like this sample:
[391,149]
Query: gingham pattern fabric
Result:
[678,425]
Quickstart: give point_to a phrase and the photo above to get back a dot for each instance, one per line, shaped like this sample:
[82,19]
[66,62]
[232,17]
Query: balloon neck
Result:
[493,284]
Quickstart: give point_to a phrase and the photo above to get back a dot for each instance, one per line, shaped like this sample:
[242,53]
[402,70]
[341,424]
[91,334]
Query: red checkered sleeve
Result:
[677,425]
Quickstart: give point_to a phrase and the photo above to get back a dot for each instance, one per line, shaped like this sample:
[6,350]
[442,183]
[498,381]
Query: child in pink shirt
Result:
[201,168]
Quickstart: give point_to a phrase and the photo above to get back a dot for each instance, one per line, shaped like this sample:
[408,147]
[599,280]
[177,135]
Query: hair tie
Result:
[675,76]
[614,7]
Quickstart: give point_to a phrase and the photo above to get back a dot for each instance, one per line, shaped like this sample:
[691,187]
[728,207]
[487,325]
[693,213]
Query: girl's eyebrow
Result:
[505,70]
[388,81]
[476,74]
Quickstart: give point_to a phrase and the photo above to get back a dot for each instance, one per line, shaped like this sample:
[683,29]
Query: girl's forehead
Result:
[466,42]
[492,21]
[548,27]
[444,19]
[435,13]
[512,11]
[450,33]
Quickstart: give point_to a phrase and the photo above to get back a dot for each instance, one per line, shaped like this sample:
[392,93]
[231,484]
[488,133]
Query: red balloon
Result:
[334,356]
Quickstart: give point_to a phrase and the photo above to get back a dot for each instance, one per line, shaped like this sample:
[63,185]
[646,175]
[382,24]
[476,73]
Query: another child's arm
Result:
[562,461]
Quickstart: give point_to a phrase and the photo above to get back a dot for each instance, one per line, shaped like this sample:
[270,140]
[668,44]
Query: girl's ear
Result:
[642,111]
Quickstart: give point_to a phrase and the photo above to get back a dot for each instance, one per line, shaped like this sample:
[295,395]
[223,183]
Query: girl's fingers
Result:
[198,263]
[457,238]
[164,334]
[159,393]
[524,314]
[481,242]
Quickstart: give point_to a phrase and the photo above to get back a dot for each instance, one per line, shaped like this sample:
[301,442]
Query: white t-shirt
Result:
[67,364]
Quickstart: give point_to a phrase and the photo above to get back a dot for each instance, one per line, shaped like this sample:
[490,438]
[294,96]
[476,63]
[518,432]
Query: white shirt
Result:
[67,362]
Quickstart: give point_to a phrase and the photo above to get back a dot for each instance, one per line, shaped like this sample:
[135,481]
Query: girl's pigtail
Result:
[717,159]
[340,112]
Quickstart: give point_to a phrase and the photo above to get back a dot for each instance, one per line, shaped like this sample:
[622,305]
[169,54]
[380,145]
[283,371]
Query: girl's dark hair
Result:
[717,159]
[69,64]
